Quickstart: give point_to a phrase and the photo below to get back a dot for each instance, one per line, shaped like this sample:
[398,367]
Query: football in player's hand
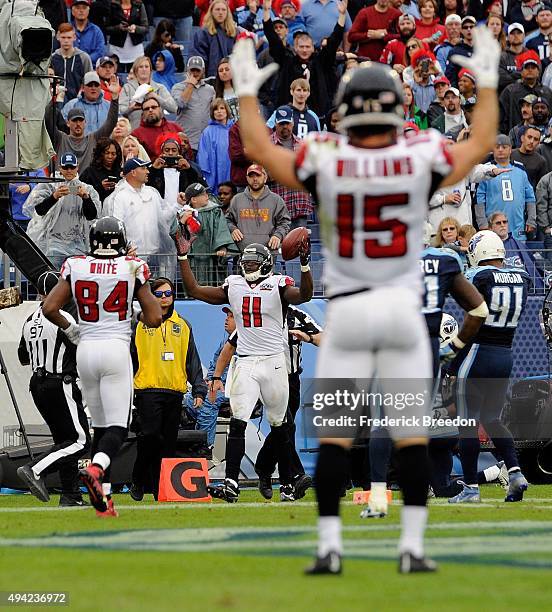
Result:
[295,243]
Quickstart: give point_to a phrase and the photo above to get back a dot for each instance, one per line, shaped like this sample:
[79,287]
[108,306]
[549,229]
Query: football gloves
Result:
[72,333]
[183,237]
[247,77]
[448,352]
[305,252]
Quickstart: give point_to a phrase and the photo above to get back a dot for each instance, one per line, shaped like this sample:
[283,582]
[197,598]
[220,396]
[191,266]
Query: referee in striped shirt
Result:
[56,392]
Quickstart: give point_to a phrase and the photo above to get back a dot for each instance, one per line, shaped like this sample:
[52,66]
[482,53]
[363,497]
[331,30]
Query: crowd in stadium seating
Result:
[151,80]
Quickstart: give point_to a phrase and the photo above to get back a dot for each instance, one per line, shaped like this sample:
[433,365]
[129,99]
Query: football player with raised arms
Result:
[103,285]
[258,298]
[372,187]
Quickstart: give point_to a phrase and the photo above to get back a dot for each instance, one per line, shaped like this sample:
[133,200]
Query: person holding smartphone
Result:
[171,173]
[61,213]
[105,170]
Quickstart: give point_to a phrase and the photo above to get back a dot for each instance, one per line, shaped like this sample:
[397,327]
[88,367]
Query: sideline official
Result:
[56,392]
[167,359]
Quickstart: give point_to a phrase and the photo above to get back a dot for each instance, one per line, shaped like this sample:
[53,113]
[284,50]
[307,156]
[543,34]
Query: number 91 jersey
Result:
[103,290]
[372,206]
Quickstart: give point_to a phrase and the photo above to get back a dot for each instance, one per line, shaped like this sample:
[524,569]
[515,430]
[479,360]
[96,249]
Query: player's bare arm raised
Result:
[483,64]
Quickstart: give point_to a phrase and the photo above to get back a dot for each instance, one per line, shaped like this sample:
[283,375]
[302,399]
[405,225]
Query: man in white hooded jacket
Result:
[146,215]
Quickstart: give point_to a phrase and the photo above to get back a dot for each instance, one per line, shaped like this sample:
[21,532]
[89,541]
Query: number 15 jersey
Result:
[103,290]
[372,206]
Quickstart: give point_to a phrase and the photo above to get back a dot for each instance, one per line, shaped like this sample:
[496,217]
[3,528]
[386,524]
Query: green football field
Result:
[249,556]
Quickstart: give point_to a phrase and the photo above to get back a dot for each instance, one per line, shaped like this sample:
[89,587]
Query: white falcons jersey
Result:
[259,312]
[103,290]
[372,206]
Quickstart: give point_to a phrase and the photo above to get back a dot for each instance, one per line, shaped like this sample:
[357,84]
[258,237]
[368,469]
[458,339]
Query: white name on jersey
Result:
[103,290]
[372,203]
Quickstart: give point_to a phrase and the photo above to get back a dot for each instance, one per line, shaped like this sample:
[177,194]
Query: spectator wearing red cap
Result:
[466,84]
[371,26]
[424,69]
[171,173]
[257,214]
[529,65]
[422,61]
[437,107]
[508,72]
[428,29]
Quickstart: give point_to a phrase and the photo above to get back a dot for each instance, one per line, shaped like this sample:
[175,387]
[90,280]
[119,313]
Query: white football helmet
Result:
[485,245]
[449,329]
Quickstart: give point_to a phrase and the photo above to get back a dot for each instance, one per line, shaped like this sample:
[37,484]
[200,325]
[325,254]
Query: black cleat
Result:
[229,491]
[409,564]
[330,564]
[265,485]
[37,486]
[301,484]
[67,501]
[136,492]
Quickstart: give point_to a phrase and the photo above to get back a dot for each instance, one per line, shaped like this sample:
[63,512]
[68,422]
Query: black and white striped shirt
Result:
[296,319]
[44,345]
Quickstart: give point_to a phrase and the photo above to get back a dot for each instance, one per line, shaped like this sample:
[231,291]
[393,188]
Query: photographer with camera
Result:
[171,173]
[60,213]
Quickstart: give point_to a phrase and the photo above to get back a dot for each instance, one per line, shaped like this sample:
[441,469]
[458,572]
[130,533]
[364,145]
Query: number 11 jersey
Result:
[372,206]
[260,313]
[103,290]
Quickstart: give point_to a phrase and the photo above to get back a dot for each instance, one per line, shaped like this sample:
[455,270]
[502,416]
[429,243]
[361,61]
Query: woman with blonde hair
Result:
[135,89]
[121,131]
[216,38]
[131,147]
[447,232]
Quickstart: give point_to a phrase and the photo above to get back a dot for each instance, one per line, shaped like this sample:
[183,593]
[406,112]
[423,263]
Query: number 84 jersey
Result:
[103,290]
[372,206]
[260,313]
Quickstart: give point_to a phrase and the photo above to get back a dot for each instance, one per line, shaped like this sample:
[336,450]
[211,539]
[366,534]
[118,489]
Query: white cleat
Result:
[377,505]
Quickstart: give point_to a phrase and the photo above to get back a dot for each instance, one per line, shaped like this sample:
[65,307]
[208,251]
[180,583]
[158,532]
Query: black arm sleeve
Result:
[89,209]
[22,352]
[194,371]
[45,205]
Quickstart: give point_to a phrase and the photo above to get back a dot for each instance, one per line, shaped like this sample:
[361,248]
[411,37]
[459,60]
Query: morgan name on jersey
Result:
[372,205]
[260,313]
[103,290]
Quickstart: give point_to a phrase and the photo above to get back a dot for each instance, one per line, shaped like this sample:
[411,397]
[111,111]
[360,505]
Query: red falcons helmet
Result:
[371,94]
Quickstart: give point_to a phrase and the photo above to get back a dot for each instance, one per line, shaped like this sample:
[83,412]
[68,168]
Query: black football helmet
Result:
[371,94]
[108,238]
[261,255]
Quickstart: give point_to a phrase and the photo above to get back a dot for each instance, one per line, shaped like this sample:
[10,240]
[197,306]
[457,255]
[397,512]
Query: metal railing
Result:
[165,264]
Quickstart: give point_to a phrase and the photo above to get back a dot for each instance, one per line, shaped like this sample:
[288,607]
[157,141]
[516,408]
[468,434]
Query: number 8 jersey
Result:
[103,290]
[372,206]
